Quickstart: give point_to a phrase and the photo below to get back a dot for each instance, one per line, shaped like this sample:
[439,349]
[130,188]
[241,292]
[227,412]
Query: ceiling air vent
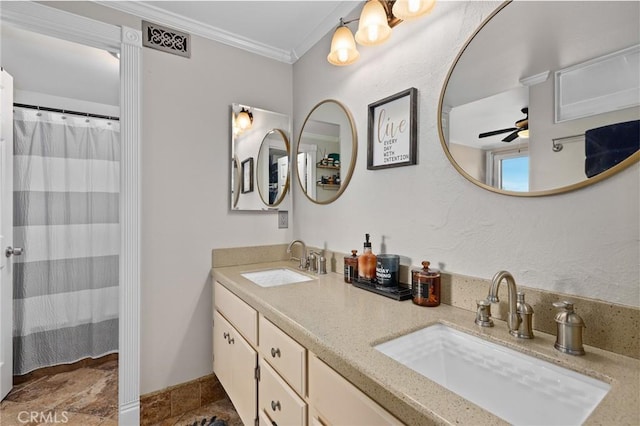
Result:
[166,39]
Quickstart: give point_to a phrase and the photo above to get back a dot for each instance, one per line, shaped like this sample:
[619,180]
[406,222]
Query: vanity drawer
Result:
[283,353]
[336,401]
[243,317]
[275,398]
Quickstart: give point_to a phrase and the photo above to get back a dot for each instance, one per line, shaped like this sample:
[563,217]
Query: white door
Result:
[6,233]
[283,174]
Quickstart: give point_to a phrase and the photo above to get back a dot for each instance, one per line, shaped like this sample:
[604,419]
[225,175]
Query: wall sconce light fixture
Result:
[244,120]
[374,27]
[343,46]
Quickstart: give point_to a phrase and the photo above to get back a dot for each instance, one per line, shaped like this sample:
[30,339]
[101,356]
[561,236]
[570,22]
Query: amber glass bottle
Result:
[351,267]
[367,263]
[425,286]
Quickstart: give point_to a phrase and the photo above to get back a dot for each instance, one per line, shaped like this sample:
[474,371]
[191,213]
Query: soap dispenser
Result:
[367,263]
[570,325]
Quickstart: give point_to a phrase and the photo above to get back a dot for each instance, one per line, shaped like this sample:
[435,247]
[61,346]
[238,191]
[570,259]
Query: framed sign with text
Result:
[392,136]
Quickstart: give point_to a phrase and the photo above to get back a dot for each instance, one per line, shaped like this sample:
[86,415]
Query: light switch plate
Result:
[283,219]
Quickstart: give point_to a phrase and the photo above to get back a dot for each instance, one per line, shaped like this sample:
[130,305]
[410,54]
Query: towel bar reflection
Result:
[557,146]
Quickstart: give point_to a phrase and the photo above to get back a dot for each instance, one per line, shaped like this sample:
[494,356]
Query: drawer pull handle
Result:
[275,352]
[275,405]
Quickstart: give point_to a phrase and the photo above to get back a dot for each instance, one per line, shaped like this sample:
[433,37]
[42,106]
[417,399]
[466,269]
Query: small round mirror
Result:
[327,150]
[272,173]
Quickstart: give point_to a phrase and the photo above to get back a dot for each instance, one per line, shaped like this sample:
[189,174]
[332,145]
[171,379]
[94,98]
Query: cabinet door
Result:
[221,350]
[337,402]
[234,362]
[245,361]
[276,398]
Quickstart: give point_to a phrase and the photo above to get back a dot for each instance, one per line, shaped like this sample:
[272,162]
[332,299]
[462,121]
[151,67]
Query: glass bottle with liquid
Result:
[425,286]
[367,263]
[351,267]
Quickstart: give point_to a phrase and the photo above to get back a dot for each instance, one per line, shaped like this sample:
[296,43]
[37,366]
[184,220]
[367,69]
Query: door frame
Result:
[53,22]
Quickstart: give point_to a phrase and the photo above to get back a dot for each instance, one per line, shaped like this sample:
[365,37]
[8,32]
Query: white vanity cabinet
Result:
[283,373]
[234,356]
[335,401]
[272,380]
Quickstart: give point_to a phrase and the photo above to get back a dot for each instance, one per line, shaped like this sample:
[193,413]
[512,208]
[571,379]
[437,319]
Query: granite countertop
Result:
[341,323]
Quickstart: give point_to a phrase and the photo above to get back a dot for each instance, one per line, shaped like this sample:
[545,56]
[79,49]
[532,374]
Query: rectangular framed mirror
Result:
[260,159]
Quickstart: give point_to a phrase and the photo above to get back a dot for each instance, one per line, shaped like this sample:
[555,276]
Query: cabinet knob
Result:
[225,335]
[275,352]
[231,341]
[275,405]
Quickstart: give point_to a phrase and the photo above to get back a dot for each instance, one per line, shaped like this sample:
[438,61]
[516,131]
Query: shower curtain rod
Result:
[66,111]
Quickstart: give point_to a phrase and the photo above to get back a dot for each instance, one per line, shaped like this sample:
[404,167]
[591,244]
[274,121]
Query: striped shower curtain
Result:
[66,217]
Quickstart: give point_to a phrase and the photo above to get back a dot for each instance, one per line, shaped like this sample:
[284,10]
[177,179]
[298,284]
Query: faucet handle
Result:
[525,312]
[322,265]
[312,261]
[569,329]
[483,313]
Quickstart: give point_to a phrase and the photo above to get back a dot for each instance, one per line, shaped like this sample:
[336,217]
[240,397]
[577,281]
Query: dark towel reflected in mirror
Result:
[609,145]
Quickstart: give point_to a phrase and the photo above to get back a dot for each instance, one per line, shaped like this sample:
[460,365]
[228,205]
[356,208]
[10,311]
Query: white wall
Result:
[584,242]
[550,169]
[472,160]
[185,190]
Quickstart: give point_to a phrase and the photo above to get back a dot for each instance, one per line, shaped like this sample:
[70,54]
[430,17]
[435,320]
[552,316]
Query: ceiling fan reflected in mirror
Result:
[521,129]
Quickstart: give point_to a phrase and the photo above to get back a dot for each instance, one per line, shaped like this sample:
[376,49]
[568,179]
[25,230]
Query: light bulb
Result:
[373,27]
[372,33]
[244,120]
[411,9]
[343,55]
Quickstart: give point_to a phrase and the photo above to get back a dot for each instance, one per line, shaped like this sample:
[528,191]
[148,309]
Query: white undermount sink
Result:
[275,277]
[518,388]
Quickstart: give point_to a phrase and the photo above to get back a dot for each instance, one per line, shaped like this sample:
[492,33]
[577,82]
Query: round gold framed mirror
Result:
[327,151]
[272,172]
[539,102]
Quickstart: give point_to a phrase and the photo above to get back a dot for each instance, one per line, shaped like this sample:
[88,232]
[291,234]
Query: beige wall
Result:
[472,160]
[185,180]
[584,242]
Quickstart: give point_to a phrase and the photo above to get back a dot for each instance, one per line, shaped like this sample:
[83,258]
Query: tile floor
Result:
[87,396]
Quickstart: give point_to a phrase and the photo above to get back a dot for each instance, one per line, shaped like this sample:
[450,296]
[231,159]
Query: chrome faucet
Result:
[303,257]
[520,313]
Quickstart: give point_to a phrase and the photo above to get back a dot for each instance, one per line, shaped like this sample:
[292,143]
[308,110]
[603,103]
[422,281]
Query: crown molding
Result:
[192,26]
[43,19]
[178,22]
